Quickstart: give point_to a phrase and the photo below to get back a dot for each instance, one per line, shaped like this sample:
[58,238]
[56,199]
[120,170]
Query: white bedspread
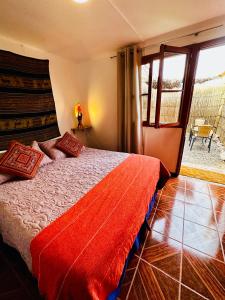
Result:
[28,206]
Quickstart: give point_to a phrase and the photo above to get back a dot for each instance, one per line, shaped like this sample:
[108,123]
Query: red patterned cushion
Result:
[70,145]
[21,160]
[49,148]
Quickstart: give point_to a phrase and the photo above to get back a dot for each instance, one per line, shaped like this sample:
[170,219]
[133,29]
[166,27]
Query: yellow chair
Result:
[205,132]
[194,127]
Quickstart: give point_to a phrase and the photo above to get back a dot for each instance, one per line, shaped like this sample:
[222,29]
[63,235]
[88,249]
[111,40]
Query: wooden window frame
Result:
[150,59]
[190,69]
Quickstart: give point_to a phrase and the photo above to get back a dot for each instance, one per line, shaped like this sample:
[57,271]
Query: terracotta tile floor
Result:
[182,256]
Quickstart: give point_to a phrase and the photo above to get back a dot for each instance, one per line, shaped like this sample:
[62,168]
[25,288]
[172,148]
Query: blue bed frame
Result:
[136,245]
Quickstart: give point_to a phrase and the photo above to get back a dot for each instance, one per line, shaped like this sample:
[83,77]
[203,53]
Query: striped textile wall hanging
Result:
[27,107]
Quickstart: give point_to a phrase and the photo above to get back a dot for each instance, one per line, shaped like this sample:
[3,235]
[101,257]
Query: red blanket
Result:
[81,254]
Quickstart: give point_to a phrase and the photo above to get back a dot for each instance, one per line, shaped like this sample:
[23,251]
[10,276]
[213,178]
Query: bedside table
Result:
[83,134]
[85,129]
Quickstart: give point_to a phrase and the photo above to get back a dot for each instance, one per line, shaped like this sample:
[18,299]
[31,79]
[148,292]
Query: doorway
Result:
[204,148]
[169,80]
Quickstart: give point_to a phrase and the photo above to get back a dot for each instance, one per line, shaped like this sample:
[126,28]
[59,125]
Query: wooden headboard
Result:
[27,107]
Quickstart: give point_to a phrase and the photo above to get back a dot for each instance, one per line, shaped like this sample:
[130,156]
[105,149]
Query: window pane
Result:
[173,71]
[144,78]
[144,107]
[170,107]
[155,74]
[173,76]
[144,89]
[153,106]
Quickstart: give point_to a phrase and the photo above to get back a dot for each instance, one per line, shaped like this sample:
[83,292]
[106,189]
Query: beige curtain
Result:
[129,101]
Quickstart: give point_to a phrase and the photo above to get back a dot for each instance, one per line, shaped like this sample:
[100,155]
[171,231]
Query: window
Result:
[163,79]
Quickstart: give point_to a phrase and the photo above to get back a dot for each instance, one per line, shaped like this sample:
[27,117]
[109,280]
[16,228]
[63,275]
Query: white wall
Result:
[98,96]
[63,78]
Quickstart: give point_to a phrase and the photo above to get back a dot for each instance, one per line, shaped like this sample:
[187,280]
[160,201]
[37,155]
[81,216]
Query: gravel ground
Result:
[199,157]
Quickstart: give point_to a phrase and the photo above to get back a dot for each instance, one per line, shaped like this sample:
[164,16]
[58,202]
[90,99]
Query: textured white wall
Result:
[98,96]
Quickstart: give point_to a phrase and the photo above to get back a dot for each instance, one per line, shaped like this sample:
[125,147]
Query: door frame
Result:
[188,101]
[189,88]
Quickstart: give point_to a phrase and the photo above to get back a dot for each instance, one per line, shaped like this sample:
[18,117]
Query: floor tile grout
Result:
[168,213]
[218,232]
[184,244]
[196,250]
[187,287]
[181,259]
[152,266]
[203,253]
[178,281]
[136,269]
[143,284]
[168,275]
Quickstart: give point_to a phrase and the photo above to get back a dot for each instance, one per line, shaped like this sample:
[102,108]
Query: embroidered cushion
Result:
[21,161]
[70,144]
[46,160]
[50,149]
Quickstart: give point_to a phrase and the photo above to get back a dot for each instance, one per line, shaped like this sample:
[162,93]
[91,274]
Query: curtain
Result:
[129,100]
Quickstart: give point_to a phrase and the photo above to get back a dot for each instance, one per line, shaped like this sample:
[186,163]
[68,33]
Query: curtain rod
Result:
[196,33]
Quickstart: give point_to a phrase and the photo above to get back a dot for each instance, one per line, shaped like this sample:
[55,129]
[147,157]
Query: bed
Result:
[29,206]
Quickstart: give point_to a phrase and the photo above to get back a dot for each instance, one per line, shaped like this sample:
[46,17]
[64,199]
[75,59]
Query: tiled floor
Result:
[183,254]
[182,257]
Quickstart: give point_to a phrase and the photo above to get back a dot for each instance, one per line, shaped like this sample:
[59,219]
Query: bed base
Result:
[137,242]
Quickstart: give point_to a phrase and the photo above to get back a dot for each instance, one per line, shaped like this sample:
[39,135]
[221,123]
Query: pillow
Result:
[46,160]
[21,161]
[49,148]
[4,177]
[70,145]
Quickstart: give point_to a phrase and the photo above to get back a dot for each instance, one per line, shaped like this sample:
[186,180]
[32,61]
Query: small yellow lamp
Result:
[78,115]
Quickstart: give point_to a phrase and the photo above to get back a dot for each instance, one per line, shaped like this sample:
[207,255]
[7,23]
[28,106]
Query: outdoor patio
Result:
[199,157]
[208,104]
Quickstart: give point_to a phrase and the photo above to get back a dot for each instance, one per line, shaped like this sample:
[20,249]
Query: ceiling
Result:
[84,31]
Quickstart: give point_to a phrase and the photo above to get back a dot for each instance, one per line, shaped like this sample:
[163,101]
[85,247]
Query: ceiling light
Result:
[81,1]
